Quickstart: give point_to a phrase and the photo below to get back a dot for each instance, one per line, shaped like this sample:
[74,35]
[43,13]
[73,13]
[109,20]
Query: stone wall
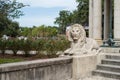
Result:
[48,69]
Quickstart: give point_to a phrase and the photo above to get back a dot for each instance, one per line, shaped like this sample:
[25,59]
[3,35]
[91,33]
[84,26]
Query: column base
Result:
[99,41]
[117,42]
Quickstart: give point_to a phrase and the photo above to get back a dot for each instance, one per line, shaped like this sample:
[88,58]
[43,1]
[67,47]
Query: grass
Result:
[4,60]
[8,58]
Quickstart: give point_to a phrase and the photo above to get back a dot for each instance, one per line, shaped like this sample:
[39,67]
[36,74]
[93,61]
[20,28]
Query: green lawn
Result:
[4,60]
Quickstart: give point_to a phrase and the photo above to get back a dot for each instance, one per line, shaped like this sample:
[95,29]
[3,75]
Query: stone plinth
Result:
[83,65]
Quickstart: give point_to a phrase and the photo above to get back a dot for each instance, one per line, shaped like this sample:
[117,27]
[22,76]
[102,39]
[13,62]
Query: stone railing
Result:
[63,68]
[47,69]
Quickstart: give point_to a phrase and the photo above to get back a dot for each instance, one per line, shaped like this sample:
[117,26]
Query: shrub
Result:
[49,45]
[3,46]
[62,44]
[13,45]
[25,45]
[52,46]
[38,45]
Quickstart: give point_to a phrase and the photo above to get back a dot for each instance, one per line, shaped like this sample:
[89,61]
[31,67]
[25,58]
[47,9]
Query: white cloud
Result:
[47,19]
[36,21]
[67,4]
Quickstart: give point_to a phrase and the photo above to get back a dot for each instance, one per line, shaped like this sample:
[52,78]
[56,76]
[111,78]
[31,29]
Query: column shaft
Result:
[117,19]
[91,18]
[106,18]
[97,20]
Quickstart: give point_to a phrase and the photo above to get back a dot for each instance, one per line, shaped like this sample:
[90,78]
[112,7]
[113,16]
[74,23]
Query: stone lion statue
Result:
[79,43]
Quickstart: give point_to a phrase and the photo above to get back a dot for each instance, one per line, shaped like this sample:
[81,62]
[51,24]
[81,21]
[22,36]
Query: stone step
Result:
[108,74]
[113,56]
[107,67]
[111,62]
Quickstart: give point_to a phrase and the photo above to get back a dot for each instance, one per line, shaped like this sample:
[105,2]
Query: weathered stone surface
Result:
[85,64]
[110,49]
[79,43]
[109,67]
[95,19]
[48,69]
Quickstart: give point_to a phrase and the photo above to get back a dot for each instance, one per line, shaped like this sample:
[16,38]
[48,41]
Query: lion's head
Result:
[76,33]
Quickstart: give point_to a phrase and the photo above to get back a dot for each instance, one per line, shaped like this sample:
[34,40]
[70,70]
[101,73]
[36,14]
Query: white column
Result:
[106,18]
[97,20]
[117,19]
[91,18]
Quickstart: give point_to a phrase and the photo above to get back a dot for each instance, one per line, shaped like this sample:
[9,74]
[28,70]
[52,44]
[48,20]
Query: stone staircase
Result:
[109,67]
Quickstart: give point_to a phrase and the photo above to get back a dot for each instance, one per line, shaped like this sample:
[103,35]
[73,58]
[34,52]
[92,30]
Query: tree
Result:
[63,20]
[80,15]
[12,29]
[44,31]
[8,27]
[25,31]
[82,12]
[51,31]
[9,10]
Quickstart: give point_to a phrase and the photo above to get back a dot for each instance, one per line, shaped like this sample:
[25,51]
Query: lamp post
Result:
[110,42]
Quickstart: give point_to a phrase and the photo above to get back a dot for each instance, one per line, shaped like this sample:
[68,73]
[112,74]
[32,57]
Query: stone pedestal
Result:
[83,65]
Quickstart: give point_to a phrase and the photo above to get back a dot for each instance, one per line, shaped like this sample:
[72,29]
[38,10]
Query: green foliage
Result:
[8,27]
[10,9]
[13,45]
[51,31]
[39,31]
[38,45]
[11,29]
[62,44]
[44,31]
[80,15]
[3,46]
[4,60]
[63,20]
[51,46]
[25,31]
[25,45]
[82,12]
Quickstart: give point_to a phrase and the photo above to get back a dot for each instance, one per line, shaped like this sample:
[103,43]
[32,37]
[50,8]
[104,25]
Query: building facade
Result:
[99,28]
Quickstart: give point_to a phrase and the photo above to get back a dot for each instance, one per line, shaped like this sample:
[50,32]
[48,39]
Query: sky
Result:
[43,12]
